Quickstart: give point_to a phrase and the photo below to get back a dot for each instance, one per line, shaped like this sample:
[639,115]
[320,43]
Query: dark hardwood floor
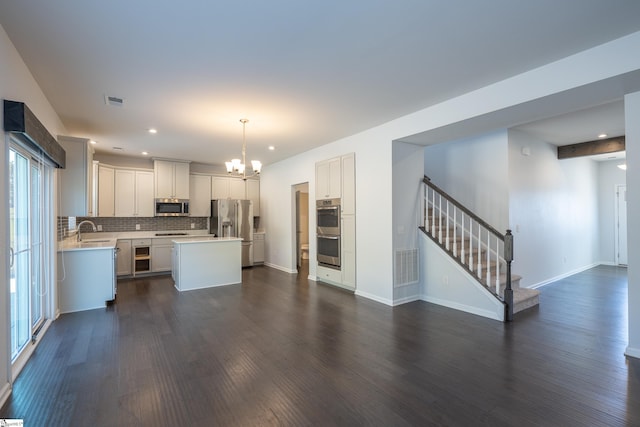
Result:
[281,350]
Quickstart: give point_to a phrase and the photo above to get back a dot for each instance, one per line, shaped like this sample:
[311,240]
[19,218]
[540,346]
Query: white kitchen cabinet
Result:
[106,191]
[123,248]
[200,195]
[223,187]
[171,179]
[328,179]
[258,248]
[76,179]
[348,182]
[161,255]
[348,251]
[133,193]
[144,194]
[237,188]
[219,188]
[89,280]
[253,194]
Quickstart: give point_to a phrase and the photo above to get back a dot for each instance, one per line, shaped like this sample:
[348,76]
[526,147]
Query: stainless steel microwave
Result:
[172,207]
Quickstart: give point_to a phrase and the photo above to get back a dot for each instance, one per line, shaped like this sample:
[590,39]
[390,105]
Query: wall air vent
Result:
[406,267]
[114,101]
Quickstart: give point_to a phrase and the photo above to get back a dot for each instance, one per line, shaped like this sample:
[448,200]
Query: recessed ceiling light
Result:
[602,135]
[92,141]
[144,153]
[153,130]
[271,147]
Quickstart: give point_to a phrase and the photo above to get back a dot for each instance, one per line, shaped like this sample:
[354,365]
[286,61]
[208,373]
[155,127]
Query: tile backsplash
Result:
[122,224]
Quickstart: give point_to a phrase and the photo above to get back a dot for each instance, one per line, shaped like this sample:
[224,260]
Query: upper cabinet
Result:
[133,193]
[200,195]
[106,191]
[171,179]
[348,202]
[76,180]
[224,187]
[328,179]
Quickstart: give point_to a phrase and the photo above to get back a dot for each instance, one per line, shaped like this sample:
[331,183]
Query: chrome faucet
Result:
[86,221]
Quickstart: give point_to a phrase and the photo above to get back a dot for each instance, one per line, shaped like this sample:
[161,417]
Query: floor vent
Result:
[406,267]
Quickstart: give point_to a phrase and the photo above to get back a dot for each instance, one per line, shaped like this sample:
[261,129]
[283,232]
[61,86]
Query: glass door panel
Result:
[37,237]
[20,248]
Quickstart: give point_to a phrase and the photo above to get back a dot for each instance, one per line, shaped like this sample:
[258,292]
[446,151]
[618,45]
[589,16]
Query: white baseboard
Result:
[632,352]
[373,297]
[279,267]
[562,276]
[406,300]
[467,309]
[5,392]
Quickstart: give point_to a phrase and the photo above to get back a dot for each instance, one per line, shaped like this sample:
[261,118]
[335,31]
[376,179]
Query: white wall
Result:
[553,211]
[632,131]
[16,84]
[609,177]
[408,172]
[373,209]
[474,172]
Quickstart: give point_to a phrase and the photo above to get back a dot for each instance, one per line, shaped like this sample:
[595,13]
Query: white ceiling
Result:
[304,73]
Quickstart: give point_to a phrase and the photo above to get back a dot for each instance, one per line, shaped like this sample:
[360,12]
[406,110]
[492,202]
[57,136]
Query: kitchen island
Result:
[204,262]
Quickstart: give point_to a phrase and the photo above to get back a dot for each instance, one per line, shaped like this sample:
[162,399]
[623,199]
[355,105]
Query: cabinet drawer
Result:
[140,242]
[162,242]
[329,274]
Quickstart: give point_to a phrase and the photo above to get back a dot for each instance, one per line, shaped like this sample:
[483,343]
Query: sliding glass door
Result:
[27,243]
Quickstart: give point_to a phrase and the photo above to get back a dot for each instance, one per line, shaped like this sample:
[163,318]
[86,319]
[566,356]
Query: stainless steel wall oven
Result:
[328,232]
[328,217]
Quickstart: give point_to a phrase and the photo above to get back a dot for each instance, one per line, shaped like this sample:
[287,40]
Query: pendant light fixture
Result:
[237,166]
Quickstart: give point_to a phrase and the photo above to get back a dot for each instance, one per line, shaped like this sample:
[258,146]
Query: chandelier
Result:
[237,166]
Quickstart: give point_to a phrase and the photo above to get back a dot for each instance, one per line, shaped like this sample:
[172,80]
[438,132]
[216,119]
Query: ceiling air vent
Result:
[114,101]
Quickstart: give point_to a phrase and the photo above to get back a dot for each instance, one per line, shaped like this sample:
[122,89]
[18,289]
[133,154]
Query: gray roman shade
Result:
[19,120]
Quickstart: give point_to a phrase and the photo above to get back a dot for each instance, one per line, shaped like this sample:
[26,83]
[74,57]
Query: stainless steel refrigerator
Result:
[234,218]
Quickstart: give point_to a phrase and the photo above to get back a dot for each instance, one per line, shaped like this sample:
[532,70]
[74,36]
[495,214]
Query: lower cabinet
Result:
[161,255]
[89,280]
[258,248]
[123,248]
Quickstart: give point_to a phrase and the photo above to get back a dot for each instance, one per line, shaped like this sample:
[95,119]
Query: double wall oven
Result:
[328,232]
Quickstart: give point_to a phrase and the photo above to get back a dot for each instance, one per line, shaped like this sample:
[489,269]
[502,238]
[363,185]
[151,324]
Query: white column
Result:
[632,131]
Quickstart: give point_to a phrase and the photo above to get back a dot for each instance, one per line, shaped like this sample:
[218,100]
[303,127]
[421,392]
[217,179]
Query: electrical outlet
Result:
[193,225]
[137,226]
[99,227]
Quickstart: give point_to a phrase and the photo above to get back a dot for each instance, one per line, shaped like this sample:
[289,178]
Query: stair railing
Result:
[472,242]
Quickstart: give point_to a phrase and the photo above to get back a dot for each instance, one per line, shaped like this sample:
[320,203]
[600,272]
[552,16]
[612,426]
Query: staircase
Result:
[484,252]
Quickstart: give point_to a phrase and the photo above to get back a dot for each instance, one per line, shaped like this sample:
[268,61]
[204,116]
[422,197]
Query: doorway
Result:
[621,224]
[302,225]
